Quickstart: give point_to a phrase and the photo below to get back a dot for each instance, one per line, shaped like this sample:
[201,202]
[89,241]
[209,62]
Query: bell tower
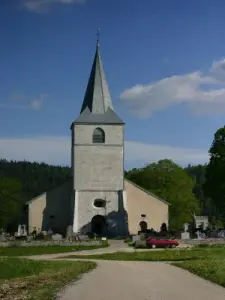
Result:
[97,154]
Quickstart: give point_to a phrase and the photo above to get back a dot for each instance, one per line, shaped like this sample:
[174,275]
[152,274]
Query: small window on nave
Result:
[98,136]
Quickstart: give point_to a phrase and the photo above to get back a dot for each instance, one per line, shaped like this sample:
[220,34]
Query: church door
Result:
[98,224]
[143,225]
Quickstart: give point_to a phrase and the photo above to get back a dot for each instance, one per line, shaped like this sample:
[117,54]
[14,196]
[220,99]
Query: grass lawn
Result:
[210,269]
[38,250]
[22,279]
[164,255]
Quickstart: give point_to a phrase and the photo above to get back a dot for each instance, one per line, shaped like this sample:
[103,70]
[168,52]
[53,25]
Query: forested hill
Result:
[181,187]
[36,178]
[22,181]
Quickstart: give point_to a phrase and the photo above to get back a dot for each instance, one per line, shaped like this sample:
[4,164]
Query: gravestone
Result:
[29,238]
[84,237]
[135,238]
[19,230]
[24,230]
[201,221]
[203,236]
[69,233]
[2,236]
[50,233]
[198,235]
[221,234]
[185,235]
[57,237]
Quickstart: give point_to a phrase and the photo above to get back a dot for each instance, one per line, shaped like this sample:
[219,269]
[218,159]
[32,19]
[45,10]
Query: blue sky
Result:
[164,62]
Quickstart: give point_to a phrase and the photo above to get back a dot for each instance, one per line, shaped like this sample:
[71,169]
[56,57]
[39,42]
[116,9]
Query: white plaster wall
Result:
[56,202]
[98,166]
[87,211]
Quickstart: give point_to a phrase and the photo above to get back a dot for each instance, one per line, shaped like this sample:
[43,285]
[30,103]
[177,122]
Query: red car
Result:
[153,242]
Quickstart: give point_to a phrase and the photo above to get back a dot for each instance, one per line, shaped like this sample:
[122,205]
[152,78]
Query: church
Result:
[97,198]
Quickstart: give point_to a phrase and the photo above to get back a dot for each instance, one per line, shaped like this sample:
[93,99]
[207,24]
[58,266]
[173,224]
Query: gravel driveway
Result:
[118,280]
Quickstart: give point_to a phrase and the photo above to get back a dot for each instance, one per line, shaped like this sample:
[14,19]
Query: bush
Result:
[39,237]
[128,240]
[140,245]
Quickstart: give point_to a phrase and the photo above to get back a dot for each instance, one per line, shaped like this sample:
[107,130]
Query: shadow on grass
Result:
[39,250]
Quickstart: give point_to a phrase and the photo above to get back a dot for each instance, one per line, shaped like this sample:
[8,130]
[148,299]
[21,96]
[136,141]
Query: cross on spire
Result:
[98,36]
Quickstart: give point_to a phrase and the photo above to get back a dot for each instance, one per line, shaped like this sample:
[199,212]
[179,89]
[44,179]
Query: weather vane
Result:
[98,35]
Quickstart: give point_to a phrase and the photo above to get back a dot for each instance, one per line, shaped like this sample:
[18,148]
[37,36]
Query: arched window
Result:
[98,136]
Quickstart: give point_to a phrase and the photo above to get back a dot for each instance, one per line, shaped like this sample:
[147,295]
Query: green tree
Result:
[198,174]
[170,182]
[214,186]
[10,200]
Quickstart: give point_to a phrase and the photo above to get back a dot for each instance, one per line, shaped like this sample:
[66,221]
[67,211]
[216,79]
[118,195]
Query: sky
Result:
[164,62]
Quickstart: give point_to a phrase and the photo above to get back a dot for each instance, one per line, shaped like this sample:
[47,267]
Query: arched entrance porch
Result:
[98,224]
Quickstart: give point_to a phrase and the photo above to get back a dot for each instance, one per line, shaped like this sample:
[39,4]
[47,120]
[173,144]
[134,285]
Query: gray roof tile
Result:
[97,105]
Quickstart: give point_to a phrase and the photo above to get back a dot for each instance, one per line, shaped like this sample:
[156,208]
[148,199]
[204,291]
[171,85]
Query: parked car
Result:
[153,242]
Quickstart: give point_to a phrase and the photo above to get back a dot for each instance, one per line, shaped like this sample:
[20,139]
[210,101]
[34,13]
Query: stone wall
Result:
[209,241]
[48,243]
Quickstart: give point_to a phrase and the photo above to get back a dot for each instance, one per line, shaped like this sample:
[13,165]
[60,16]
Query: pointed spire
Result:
[97,105]
[97,97]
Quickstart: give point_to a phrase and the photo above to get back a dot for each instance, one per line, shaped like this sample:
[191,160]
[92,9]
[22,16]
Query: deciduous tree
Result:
[214,186]
[10,200]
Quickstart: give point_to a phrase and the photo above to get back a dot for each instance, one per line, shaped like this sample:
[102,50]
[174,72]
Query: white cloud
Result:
[36,104]
[40,6]
[56,150]
[20,101]
[203,93]
[137,153]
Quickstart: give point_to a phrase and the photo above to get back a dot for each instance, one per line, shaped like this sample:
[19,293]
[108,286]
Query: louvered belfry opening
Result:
[98,136]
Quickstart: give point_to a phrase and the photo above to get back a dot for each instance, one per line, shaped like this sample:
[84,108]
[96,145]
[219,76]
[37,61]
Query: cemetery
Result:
[22,244]
[197,233]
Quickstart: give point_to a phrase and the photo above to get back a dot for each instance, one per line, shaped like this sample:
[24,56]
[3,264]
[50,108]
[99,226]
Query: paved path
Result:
[118,280]
[141,281]
[115,246]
